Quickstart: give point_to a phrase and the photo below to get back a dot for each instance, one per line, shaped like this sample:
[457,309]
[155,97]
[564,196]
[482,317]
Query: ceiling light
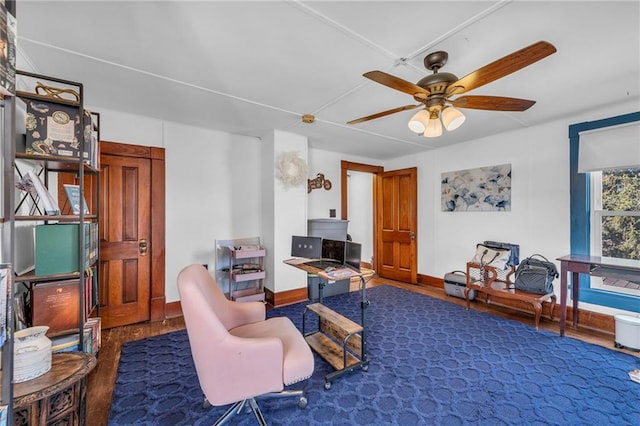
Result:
[434,127]
[419,121]
[426,122]
[452,118]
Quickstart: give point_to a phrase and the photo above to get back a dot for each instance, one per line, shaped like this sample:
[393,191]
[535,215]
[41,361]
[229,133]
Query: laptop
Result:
[332,254]
[352,255]
[307,247]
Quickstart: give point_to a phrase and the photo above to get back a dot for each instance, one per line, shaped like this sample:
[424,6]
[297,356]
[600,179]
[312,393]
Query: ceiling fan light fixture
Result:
[452,118]
[434,126]
[419,121]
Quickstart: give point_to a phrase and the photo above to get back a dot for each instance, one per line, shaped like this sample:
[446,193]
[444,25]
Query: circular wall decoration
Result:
[291,169]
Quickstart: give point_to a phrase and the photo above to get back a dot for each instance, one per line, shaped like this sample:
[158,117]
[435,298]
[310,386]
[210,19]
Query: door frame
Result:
[345,167]
[157,244]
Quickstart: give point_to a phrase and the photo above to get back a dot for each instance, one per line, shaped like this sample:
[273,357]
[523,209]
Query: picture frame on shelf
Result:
[75,198]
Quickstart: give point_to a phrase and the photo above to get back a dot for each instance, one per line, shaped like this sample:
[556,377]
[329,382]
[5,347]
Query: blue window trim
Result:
[580,205]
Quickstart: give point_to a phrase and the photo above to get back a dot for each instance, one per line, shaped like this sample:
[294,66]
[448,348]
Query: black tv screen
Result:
[353,253]
[333,250]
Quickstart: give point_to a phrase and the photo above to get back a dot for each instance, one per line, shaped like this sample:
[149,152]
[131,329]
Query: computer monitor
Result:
[333,250]
[307,247]
[352,255]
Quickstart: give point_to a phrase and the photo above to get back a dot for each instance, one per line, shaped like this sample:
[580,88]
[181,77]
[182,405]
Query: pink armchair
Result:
[238,354]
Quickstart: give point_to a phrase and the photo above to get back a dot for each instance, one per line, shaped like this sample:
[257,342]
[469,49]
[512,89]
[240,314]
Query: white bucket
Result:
[627,332]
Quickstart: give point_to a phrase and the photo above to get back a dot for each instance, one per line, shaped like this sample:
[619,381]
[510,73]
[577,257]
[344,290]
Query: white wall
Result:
[212,186]
[116,126]
[360,205]
[286,214]
[539,218]
[360,208]
[320,201]
[225,201]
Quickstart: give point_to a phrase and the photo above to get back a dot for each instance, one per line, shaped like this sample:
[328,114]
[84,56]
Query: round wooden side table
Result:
[56,397]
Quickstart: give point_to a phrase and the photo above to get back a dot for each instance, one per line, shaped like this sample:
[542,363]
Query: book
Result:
[56,304]
[65,343]
[95,325]
[74,196]
[71,342]
[49,203]
[5,291]
[8,26]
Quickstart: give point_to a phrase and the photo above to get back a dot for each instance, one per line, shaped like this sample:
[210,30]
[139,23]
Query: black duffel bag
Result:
[536,275]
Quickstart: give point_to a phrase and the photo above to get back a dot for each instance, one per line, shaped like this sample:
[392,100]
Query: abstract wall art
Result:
[481,189]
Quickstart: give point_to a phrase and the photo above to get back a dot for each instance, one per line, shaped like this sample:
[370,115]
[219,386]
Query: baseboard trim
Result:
[288,297]
[173,310]
[588,319]
[429,281]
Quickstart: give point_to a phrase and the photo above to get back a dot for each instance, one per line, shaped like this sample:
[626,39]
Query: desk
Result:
[56,397]
[592,265]
[338,340]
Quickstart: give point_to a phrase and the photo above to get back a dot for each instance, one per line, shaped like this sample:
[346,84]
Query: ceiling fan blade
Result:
[502,67]
[493,103]
[397,83]
[382,114]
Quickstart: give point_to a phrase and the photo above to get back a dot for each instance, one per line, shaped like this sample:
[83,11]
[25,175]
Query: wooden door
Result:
[397,225]
[125,274]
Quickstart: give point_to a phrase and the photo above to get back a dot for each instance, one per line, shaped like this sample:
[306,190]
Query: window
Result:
[615,223]
[605,217]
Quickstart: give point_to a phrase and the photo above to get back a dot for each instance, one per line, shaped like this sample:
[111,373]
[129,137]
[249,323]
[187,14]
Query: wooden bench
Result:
[492,282]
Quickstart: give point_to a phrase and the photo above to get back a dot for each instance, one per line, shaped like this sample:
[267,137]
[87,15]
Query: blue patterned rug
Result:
[432,363]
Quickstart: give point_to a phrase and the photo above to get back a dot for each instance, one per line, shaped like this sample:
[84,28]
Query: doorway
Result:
[394,218]
[132,234]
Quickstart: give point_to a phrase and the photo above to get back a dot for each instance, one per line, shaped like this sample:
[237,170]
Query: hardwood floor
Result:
[101,380]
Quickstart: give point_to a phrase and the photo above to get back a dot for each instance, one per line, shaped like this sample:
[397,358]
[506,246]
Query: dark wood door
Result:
[397,225]
[125,274]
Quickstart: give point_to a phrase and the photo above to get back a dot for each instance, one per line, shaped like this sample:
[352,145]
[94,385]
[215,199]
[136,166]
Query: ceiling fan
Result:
[434,91]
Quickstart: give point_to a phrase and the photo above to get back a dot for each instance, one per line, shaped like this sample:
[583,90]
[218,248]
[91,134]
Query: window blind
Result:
[610,148]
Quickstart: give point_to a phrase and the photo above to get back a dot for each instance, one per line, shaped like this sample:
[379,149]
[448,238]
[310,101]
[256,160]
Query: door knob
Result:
[142,247]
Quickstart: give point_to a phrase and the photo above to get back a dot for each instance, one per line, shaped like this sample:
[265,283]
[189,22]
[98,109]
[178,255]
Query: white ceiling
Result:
[248,67]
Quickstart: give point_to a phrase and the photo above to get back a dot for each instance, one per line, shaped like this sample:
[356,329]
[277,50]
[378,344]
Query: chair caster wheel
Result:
[206,404]
[365,367]
[302,402]
[327,385]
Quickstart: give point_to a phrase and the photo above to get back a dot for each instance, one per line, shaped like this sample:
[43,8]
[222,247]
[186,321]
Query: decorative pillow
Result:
[492,257]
